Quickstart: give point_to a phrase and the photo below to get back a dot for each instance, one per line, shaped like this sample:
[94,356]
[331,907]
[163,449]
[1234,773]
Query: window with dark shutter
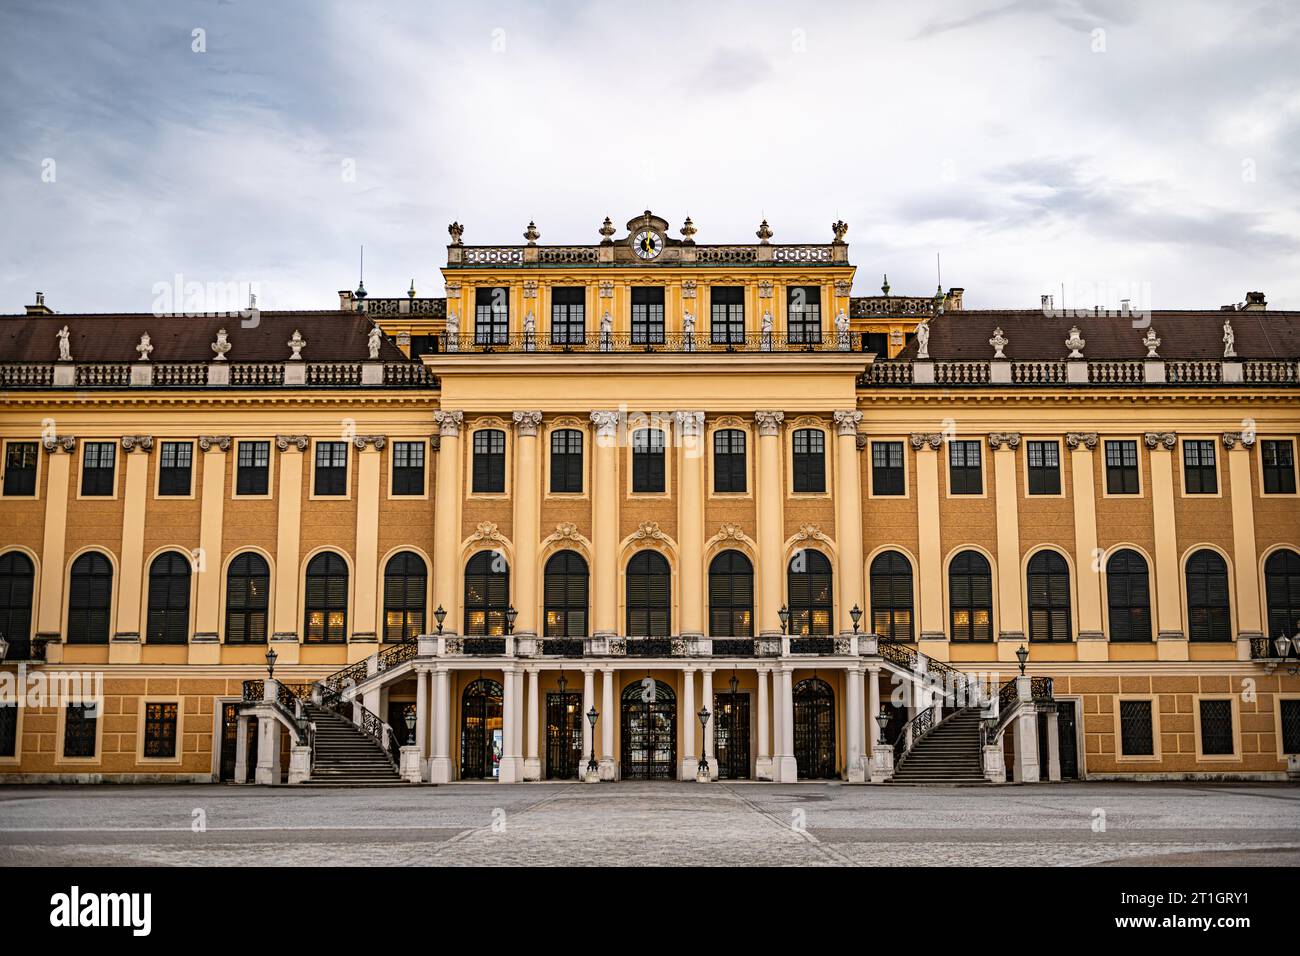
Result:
[809,584]
[175,467]
[169,599]
[97,467]
[1208,612]
[1199,475]
[1128,596]
[252,468]
[20,469]
[566,461]
[331,468]
[487,594]
[729,460]
[970,597]
[89,599]
[405,584]
[248,586]
[325,615]
[649,595]
[809,446]
[17,591]
[160,729]
[727,315]
[964,470]
[565,595]
[1290,725]
[489,461]
[1278,458]
[1043,459]
[491,316]
[1137,738]
[1216,728]
[79,728]
[891,596]
[408,468]
[648,316]
[648,460]
[803,305]
[1282,593]
[1121,468]
[731,595]
[887,476]
[1049,597]
[8,730]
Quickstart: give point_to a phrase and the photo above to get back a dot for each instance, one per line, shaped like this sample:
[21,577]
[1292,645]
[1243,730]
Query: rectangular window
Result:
[1199,476]
[79,730]
[728,460]
[1290,726]
[331,468]
[809,461]
[964,468]
[1279,467]
[1216,728]
[648,316]
[97,468]
[648,460]
[408,468]
[727,318]
[803,306]
[20,468]
[566,461]
[492,316]
[489,461]
[253,468]
[1135,729]
[1044,459]
[175,468]
[568,315]
[8,730]
[887,468]
[160,730]
[1121,467]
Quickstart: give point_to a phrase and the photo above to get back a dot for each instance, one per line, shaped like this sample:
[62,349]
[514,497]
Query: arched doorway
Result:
[480,730]
[564,719]
[814,729]
[649,731]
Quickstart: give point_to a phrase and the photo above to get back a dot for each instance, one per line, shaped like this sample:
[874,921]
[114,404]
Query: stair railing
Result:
[382,734]
[912,733]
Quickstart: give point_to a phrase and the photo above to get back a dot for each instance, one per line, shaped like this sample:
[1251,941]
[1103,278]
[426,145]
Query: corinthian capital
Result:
[527,423]
[606,423]
[846,421]
[769,423]
[449,422]
[689,424]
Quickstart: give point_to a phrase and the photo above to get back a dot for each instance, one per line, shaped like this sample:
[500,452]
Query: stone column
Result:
[125,646]
[706,699]
[1171,638]
[1026,730]
[527,521]
[848,516]
[854,771]
[588,701]
[690,521]
[873,707]
[787,767]
[930,555]
[446,520]
[1092,637]
[205,647]
[532,763]
[1011,630]
[268,752]
[686,722]
[1053,747]
[763,764]
[771,535]
[421,712]
[1250,613]
[58,462]
[241,750]
[440,770]
[287,544]
[365,601]
[604,524]
[607,718]
[510,768]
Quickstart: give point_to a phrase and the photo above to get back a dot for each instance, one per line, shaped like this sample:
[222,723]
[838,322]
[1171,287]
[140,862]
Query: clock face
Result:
[647,244]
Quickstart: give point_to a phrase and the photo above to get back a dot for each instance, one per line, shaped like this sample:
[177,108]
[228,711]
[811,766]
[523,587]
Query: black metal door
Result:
[1068,740]
[563,736]
[397,713]
[731,735]
[1044,753]
[649,731]
[229,742]
[814,729]
[480,730]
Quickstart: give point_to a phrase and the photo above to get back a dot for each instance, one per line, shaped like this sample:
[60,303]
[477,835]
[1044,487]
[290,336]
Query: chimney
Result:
[40,308]
[1254,302]
[345,300]
[954,299]
[1124,306]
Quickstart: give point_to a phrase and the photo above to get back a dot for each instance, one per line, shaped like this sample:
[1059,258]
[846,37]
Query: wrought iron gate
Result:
[563,736]
[229,741]
[731,735]
[480,730]
[649,732]
[814,729]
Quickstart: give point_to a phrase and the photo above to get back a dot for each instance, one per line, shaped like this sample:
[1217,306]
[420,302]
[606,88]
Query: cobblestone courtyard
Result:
[654,824]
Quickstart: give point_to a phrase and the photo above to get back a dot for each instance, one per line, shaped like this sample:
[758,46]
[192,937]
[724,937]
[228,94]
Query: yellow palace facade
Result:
[649,509]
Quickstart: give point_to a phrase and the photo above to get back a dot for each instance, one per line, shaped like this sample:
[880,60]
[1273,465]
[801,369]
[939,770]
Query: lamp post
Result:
[704,759]
[784,615]
[440,615]
[410,726]
[4,646]
[856,614]
[592,766]
[1022,655]
[511,614]
[882,718]
[271,656]
[1289,649]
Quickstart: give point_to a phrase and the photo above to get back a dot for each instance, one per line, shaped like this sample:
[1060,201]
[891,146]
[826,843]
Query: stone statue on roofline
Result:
[145,347]
[297,344]
[221,346]
[65,347]
[1151,342]
[1229,340]
[373,340]
[999,343]
[842,331]
[1074,343]
[923,341]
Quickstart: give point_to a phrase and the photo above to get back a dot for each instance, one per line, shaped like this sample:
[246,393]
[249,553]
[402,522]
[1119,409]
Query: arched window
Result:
[17,583]
[649,595]
[565,595]
[248,588]
[487,593]
[1128,596]
[891,596]
[731,596]
[809,586]
[970,597]
[405,582]
[1049,597]
[1282,586]
[325,618]
[169,599]
[90,599]
[1208,615]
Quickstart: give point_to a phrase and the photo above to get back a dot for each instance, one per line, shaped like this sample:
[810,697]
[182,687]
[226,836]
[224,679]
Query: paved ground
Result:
[654,824]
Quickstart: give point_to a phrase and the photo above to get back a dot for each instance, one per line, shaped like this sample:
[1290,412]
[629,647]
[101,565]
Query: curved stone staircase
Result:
[949,754]
[346,757]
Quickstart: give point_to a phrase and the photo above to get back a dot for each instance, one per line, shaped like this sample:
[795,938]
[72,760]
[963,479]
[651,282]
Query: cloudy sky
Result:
[1144,151]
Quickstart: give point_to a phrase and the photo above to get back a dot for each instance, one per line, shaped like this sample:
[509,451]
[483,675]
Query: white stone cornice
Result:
[142,442]
[1165,440]
[846,421]
[449,422]
[527,423]
[285,442]
[209,442]
[998,439]
[1086,440]
[769,422]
